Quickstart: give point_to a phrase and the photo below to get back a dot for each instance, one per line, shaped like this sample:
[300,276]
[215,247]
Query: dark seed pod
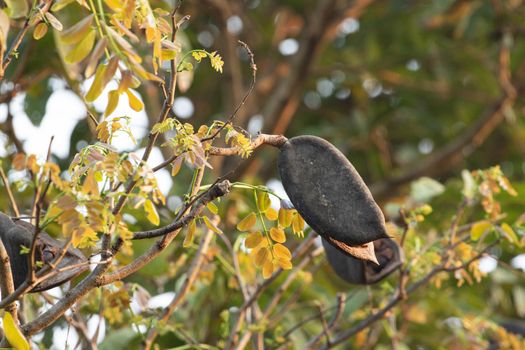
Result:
[15,234]
[328,192]
[358,271]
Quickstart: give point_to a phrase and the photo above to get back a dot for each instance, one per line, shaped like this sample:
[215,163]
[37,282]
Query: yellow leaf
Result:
[85,237]
[151,212]
[90,185]
[40,31]
[297,223]
[134,102]
[285,217]
[211,225]
[285,264]
[13,334]
[212,207]
[253,240]
[80,51]
[262,256]
[268,269]
[113,97]
[271,214]
[247,223]
[97,52]
[98,84]
[66,203]
[168,54]
[111,69]
[511,235]
[479,228]
[281,252]
[19,161]
[175,166]
[263,200]
[102,131]
[77,32]
[277,234]
[188,240]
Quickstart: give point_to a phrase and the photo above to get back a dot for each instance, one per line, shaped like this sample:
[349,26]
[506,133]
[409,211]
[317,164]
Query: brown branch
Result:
[168,233]
[6,280]
[168,102]
[218,190]
[166,108]
[40,11]
[262,139]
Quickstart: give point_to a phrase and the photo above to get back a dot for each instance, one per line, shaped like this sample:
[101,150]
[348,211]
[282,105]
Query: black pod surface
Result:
[328,192]
[358,271]
[15,234]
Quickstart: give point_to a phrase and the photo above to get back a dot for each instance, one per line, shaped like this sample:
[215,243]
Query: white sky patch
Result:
[372,87]
[205,38]
[138,120]
[487,264]
[63,111]
[288,47]
[93,324]
[183,107]
[161,300]
[325,87]
[518,262]
[61,335]
[348,26]
[276,186]
[413,65]
[234,24]
[3,112]
[255,124]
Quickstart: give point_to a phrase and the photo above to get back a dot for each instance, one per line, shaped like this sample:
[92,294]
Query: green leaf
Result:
[479,228]
[151,212]
[13,334]
[17,8]
[79,52]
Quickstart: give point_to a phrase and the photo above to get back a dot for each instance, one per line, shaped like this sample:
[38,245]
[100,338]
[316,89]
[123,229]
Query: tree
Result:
[354,72]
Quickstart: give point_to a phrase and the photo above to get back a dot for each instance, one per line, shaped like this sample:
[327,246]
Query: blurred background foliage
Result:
[406,89]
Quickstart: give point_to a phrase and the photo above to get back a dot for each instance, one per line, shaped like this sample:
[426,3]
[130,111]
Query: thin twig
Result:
[253,67]
[14,206]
